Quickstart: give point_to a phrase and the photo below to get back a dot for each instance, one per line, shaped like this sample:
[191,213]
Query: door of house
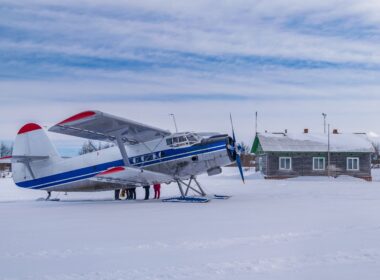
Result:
[299,165]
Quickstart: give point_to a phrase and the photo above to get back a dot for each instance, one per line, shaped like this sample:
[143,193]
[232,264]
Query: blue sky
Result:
[290,60]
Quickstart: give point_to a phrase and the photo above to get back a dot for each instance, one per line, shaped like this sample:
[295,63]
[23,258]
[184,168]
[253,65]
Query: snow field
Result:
[304,228]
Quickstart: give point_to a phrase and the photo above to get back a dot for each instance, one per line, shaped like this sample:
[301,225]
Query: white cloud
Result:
[266,53]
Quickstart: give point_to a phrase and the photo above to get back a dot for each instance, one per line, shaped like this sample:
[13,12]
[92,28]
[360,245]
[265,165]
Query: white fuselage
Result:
[73,174]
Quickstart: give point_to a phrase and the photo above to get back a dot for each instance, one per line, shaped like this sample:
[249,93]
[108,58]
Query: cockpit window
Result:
[192,138]
[182,140]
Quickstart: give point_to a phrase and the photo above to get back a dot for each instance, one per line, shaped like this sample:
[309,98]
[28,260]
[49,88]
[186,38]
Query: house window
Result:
[260,164]
[318,163]
[285,163]
[352,163]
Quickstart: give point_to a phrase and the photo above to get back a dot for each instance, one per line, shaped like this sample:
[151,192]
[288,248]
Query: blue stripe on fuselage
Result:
[88,172]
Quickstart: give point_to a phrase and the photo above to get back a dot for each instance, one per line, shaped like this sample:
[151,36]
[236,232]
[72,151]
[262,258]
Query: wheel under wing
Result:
[96,125]
[123,175]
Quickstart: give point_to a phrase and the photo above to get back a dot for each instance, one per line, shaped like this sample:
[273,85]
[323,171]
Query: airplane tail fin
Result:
[33,152]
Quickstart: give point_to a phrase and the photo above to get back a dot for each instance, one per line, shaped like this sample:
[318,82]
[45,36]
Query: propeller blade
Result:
[238,162]
[237,150]
[233,130]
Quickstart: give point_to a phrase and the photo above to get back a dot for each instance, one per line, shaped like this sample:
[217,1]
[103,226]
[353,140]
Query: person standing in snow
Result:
[117,194]
[133,193]
[157,190]
[146,187]
[122,193]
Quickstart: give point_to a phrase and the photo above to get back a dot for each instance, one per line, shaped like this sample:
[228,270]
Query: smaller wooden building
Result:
[285,155]
[5,165]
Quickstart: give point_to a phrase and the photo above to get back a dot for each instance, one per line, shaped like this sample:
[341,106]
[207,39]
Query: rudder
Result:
[33,153]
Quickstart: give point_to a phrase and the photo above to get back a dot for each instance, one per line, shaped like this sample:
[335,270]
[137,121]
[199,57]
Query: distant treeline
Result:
[5,150]
[90,146]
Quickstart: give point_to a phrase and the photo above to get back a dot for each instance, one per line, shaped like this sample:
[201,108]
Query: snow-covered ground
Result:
[305,228]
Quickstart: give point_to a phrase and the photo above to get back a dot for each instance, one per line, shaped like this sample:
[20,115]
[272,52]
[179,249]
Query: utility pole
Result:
[256,123]
[175,123]
[324,122]
[328,151]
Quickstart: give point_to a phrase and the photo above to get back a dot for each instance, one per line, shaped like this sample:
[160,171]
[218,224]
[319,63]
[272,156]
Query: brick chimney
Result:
[306,130]
[335,131]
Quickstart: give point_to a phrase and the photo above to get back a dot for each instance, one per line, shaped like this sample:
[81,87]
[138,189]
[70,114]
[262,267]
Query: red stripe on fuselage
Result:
[29,127]
[79,116]
[111,170]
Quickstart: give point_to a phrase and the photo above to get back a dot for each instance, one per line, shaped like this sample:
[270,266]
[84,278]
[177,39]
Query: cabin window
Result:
[285,163]
[191,138]
[319,163]
[352,163]
[148,157]
[183,140]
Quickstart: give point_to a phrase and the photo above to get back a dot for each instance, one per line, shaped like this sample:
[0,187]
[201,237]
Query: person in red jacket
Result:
[157,189]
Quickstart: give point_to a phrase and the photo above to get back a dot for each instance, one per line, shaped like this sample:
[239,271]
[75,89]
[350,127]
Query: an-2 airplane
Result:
[142,155]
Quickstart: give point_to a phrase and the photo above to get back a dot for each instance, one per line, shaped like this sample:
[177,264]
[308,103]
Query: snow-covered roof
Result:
[315,142]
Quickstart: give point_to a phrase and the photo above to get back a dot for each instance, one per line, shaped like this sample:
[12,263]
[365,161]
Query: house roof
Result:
[6,159]
[313,142]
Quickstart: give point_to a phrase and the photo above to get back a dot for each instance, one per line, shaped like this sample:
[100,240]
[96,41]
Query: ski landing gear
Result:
[195,187]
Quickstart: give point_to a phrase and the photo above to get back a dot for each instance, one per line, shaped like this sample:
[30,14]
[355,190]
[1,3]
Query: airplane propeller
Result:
[237,150]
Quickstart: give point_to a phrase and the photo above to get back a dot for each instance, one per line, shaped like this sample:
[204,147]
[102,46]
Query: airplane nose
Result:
[230,146]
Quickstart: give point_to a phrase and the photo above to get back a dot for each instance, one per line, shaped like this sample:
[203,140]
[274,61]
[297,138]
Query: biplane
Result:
[141,155]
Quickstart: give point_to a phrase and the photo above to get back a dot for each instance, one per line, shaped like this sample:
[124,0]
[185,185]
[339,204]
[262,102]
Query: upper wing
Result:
[128,175]
[101,126]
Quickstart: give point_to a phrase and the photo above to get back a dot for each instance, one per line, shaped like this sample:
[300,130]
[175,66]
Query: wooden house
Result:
[285,155]
[5,165]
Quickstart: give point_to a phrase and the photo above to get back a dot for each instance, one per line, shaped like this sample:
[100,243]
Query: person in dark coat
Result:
[117,194]
[157,190]
[146,187]
[133,193]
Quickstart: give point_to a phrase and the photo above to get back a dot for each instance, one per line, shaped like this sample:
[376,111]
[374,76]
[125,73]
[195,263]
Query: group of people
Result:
[130,193]
[157,191]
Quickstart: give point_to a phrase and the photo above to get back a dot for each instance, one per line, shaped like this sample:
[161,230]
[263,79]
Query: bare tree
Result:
[376,147]
[5,150]
[245,148]
[89,147]
[376,156]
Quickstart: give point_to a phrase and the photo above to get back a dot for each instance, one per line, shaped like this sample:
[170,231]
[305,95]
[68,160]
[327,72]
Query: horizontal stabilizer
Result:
[123,175]
[16,158]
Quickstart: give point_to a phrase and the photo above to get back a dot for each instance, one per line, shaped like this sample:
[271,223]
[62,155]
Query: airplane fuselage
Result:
[73,174]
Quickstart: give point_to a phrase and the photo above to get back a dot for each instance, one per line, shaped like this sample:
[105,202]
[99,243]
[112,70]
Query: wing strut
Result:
[123,151]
